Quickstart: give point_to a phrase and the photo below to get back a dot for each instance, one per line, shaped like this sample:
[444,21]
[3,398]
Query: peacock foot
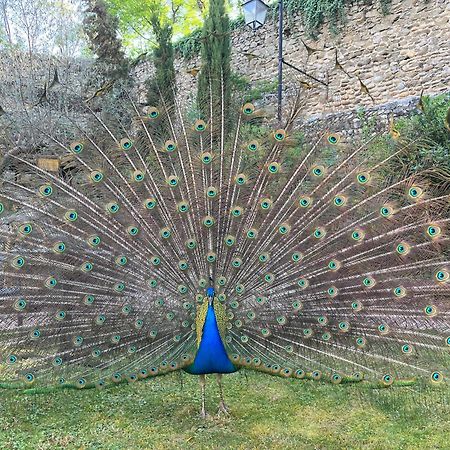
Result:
[223,408]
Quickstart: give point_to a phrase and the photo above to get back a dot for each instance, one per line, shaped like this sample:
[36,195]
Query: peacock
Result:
[173,239]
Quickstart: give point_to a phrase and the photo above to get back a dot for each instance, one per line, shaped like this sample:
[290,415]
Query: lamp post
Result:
[255,13]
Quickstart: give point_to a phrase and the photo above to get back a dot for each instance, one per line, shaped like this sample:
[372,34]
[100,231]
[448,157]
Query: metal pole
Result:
[280,57]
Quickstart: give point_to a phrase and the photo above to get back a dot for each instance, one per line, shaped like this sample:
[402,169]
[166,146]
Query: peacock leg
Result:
[203,384]
[223,408]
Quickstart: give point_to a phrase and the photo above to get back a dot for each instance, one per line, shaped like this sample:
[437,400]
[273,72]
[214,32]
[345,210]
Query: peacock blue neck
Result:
[211,355]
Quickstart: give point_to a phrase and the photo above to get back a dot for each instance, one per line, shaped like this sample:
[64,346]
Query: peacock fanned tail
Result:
[325,263]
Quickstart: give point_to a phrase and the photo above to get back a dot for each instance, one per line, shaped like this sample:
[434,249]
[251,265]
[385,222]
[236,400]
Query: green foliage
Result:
[429,138]
[101,28]
[163,83]
[266,412]
[214,93]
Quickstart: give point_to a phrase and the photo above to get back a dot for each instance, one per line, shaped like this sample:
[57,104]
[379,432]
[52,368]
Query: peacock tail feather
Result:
[324,263]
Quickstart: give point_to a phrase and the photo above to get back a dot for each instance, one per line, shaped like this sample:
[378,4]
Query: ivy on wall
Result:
[314,14]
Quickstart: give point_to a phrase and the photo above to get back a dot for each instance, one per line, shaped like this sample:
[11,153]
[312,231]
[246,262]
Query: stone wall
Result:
[382,58]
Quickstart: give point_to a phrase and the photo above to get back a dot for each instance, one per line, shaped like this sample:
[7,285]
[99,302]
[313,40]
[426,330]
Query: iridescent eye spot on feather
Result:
[300,374]
[303,283]
[211,192]
[296,257]
[279,135]
[316,375]
[340,200]
[264,257]
[269,278]
[369,282]
[96,176]
[165,233]
[155,260]
[11,359]
[336,378]
[206,157]
[126,144]
[318,171]
[442,276]
[273,167]
[236,262]
[86,266]
[77,341]
[240,289]
[387,380]
[35,334]
[45,190]
[297,305]
[361,342]
[333,139]
[261,300]
[241,179]
[248,109]
[252,146]
[57,362]
[319,233]
[284,228]
[434,231]
[20,304]
[363,178]
[119,287]
[400,292]
[112,207]
[265,332]
[344,326]
[437,377]
[322,320]
[221,281]
[2,208]
[121,260]
[191,244]
[29,378]
[358,235]
[208,221]
[71,215]
[383,329]
[94,240]
[407,349]
[230,240]
[415,192]
[403,248]
[170,146]
[25,229]
[252,233]
[76,147]
[200,126]
[152,283]
[18,262]
[183,264]
[357,306]
[127,309]
[430,310]
[88,300]
[326,336]
[237,211]
[305,201]
[332,291]
[334,265]
[150,203]
[138,176]
[266,204]
[172,180]
[386,211]
[138,324]
[115,339]
[132,230]
[211,257]
[100,319]
[152,113]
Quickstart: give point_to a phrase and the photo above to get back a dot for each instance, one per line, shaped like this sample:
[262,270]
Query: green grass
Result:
[266,412]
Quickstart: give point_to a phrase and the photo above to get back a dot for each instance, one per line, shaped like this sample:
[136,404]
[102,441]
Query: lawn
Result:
[266,412]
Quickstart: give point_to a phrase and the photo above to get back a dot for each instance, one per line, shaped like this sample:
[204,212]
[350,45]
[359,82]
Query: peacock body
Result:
[207,245]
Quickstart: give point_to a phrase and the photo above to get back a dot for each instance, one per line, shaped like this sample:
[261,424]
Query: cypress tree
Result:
[214,78]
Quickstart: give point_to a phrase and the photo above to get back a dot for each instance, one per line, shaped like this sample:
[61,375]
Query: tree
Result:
[213,96]
[102,29]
